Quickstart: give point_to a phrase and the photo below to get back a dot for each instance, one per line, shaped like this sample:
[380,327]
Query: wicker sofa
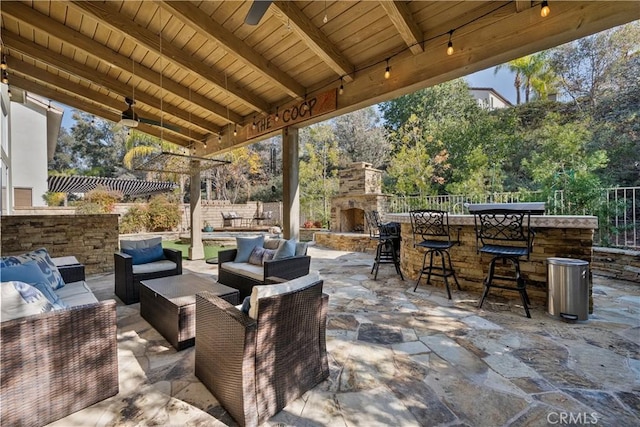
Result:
[56,363]
[244,276]
[255,366]
[128,276]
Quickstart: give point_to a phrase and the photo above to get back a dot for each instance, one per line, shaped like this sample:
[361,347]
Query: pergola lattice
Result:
[179,163]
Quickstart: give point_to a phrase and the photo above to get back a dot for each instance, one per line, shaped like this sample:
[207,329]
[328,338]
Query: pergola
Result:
[213,82]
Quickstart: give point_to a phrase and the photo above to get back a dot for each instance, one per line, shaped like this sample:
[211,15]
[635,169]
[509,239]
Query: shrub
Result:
[135,220]
[164,215]
[53,199]
[99,200]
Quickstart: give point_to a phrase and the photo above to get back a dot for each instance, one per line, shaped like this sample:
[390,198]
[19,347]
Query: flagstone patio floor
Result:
[404,358]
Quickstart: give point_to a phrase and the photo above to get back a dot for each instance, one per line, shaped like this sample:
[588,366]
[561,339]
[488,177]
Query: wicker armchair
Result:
[255,367]
[56,363]
[286,268]
[127,283]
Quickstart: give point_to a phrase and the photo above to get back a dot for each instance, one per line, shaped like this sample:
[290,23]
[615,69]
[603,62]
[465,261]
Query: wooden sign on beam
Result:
[297,112]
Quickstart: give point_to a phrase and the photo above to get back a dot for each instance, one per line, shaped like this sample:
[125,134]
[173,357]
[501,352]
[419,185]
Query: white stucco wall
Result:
[29,150]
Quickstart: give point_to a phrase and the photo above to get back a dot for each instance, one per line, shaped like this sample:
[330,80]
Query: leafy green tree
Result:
[318,171]
[361,137]
[588,67]
[561,161]
[531,72]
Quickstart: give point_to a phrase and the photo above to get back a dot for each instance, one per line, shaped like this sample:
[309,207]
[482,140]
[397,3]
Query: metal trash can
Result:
[568,288]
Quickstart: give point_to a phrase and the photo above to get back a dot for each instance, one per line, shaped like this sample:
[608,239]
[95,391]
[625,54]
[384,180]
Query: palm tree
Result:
[536,73]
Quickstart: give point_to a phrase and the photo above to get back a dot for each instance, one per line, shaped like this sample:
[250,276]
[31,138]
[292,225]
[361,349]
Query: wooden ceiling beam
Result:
[522,5]
[79,91]
[315,39]
[88,107]
[216,33]
[69,66]
[31,71]
[23,13]
[111,18]
[402,19]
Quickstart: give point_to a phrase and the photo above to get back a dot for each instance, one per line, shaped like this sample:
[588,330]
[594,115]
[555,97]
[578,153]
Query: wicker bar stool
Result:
[432,227]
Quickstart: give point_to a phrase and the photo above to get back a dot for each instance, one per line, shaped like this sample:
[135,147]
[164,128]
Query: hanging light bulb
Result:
[387,71]
[325,19]
[304,107]
[9,93]
[219,138]
[49,107]
[235,130]
[253,126]
[544,9]
[277,115]
[341,90]
[450,44]
[3,64]
[5,77]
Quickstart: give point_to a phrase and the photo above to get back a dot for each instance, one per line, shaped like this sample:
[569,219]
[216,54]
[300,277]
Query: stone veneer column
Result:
[290,184]
[196,249]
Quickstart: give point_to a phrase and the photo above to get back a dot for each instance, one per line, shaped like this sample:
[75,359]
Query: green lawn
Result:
[209,251]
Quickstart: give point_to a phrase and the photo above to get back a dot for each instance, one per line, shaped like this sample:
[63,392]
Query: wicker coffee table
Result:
[169,305]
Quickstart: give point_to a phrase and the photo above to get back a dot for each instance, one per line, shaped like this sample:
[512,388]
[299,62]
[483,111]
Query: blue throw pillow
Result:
[145,255]
[245,247]
[30,273]
[42,258]
[287,249]
[246,304]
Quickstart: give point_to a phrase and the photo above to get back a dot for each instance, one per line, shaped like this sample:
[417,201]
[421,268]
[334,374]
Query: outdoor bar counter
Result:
[556,236]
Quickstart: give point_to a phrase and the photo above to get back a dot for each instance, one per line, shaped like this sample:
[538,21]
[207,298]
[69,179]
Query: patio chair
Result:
[257,363]
[507,236]
[388,246]
[431,232]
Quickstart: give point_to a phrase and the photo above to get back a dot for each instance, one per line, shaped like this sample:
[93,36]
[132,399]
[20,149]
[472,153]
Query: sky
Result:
[502,82]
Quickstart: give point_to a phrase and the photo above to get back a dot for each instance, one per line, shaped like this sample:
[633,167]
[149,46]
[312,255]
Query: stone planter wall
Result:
[92,239]
[357,242]
[617,263]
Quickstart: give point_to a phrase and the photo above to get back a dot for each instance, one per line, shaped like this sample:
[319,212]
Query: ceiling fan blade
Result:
[257,11]
[157,123]
[117,126]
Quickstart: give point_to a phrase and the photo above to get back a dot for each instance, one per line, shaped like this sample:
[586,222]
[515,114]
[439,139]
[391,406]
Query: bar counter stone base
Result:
[556,236]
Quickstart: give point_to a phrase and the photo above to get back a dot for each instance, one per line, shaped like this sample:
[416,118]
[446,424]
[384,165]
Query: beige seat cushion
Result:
[245,269]
[264,291]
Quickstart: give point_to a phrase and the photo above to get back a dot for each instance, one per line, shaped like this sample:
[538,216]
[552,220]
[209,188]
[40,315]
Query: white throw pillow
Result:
[263,291]
[20,299]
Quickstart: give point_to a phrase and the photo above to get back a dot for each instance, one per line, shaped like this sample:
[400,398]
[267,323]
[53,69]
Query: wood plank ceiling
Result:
[196,66]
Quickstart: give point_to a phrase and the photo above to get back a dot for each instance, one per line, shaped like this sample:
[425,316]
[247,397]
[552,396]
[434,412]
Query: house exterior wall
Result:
[29,150]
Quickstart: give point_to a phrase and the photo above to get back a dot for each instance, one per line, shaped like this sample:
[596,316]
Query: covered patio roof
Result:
[199,68]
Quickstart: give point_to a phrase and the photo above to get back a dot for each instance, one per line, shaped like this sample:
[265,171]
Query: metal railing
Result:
[618,214]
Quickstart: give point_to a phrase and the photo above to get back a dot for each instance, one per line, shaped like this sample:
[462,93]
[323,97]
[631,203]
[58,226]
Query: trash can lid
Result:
[566,261]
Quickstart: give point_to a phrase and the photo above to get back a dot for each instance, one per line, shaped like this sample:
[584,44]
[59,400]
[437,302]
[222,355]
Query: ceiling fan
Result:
[257,11]
[131,119]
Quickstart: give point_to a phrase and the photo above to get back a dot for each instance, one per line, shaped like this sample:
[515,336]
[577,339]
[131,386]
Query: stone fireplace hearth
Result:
[360,190]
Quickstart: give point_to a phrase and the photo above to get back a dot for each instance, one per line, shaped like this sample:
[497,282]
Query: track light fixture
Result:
[450,44]
[544,9]
[387,71]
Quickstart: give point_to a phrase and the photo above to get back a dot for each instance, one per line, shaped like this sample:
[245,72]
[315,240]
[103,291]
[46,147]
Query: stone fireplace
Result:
[360,190]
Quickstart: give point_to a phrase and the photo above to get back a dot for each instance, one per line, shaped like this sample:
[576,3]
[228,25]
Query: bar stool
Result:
[388,246]
[432,226]
[504,235]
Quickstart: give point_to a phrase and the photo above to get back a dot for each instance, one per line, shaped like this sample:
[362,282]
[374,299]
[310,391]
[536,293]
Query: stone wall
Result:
[347,242]
[617,263]
[92,239]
